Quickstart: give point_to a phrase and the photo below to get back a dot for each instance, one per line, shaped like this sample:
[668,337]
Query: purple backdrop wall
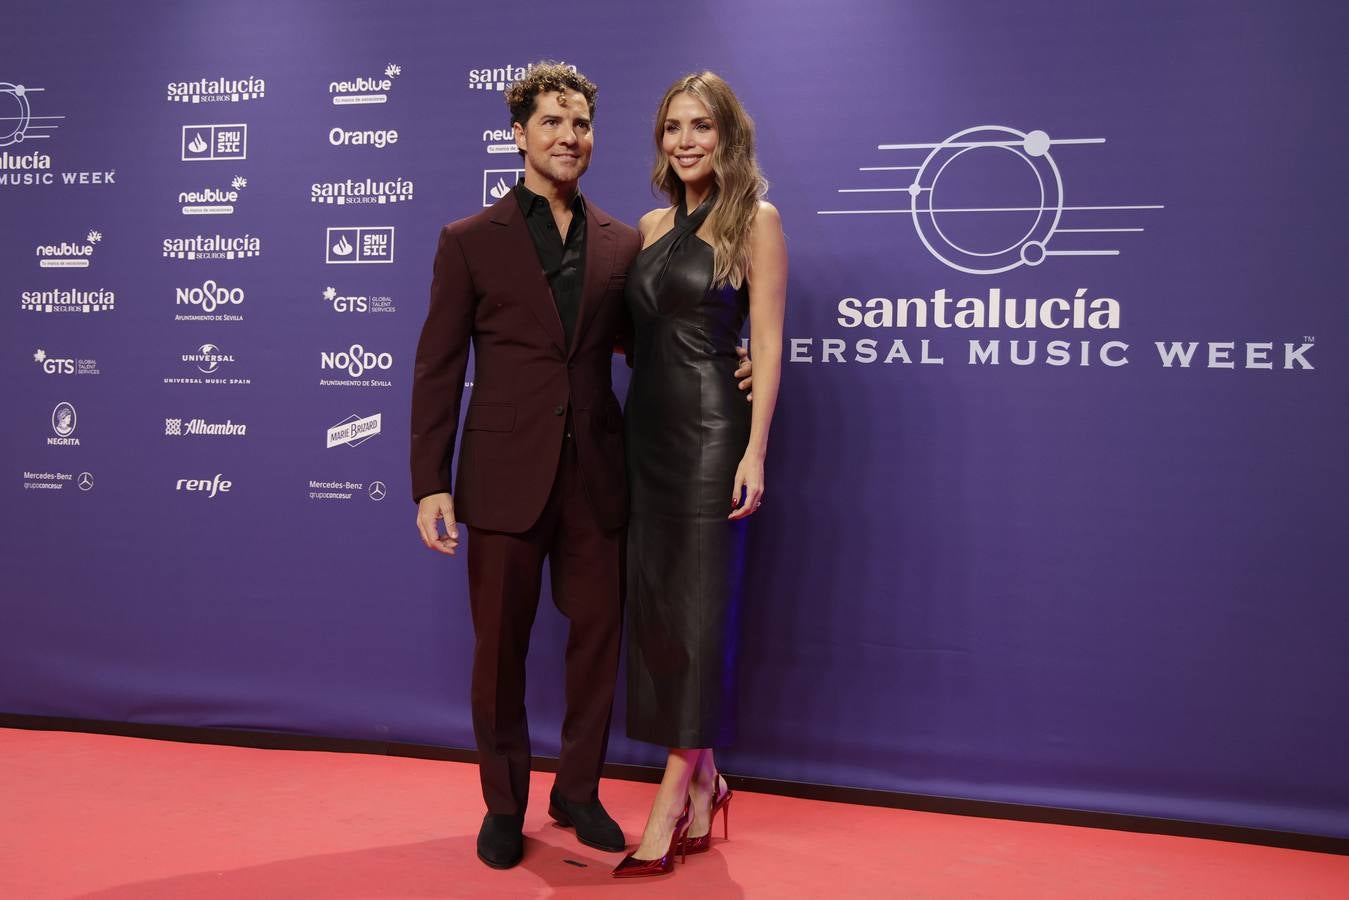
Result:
[1093,580]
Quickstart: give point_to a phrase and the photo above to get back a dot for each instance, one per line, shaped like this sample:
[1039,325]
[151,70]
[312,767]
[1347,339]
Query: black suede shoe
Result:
[594,828]
[500,842]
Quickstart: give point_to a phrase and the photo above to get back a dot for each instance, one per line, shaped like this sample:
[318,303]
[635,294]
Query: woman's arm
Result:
[767,306]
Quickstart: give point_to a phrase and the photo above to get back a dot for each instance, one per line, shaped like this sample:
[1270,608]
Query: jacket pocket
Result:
[490,417]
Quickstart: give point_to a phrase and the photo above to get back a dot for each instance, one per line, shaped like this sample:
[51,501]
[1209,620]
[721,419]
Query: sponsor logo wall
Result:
[1063,377]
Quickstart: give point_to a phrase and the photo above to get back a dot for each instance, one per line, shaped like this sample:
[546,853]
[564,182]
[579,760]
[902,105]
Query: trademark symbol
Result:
[1308,339]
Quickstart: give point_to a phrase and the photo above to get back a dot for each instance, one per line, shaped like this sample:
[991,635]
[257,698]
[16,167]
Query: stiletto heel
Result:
[720,803]
[632,867]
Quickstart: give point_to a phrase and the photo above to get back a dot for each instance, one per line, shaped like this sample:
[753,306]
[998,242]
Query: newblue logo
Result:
[365,89]
[213,201]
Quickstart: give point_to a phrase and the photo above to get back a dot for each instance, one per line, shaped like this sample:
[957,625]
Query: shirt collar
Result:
[530,201]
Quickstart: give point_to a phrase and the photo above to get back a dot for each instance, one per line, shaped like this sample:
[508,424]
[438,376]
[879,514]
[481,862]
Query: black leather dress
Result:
[687,428]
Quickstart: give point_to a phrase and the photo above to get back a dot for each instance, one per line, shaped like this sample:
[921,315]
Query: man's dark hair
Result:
[544,78]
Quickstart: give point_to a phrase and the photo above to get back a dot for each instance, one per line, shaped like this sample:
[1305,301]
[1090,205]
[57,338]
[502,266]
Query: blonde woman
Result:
[695,448]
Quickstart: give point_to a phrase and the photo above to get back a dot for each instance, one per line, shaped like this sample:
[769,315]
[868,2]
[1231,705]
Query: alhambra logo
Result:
[197,427]
[25,119]
[213,201]
[209,143]
[498,78]
[216,90]
[68,254]
[366,191]
[365,89]
[990,199]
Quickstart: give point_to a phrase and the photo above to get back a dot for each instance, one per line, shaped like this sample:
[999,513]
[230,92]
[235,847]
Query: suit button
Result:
[558,410]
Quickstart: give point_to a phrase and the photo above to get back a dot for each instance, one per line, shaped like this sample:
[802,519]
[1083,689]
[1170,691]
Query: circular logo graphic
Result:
[15,116]
[63,419]
[210,358]
[988,199]
[86,481]
[377,490]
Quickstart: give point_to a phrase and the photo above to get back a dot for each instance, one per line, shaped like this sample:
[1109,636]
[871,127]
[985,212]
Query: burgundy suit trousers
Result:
[505,572]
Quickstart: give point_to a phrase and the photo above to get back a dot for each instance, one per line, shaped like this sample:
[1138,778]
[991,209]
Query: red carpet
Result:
[108,817]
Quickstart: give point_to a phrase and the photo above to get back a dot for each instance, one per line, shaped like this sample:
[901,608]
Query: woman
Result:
[714,256]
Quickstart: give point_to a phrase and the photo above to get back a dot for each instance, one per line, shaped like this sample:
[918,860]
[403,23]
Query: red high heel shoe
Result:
[721,803]
[632,867]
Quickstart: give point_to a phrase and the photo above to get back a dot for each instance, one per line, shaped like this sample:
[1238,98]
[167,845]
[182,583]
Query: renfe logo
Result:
[217,485]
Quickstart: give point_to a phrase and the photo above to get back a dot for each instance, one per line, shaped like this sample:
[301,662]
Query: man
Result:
[535,284]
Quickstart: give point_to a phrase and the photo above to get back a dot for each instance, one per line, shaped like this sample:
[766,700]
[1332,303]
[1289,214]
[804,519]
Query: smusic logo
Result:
[359,245]
[214,142]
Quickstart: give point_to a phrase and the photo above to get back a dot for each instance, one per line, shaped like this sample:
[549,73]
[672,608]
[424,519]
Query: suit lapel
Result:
[523,258]
[599,262]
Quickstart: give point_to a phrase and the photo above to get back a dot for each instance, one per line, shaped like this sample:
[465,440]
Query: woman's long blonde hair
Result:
[739,183]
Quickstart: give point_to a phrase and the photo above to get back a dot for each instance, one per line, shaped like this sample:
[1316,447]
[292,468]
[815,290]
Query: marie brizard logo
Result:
[990,199]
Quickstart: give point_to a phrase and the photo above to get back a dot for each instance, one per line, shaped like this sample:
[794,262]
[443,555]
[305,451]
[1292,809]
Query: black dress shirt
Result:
[563,261]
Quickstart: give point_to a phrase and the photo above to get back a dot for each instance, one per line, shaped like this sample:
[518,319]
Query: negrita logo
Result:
[63,424]
[365,89]
[216,90]
[209,143]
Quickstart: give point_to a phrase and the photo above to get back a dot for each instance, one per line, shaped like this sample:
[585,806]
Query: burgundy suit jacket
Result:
[489,290]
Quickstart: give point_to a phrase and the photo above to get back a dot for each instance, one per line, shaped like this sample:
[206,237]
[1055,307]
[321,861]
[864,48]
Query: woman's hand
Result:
[749,482]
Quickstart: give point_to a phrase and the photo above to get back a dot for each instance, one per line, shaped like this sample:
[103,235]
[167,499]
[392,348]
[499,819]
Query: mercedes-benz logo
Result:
[377,490]
[86,481]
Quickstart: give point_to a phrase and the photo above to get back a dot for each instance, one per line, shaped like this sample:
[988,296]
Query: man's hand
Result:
[746,371]
[433,508]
